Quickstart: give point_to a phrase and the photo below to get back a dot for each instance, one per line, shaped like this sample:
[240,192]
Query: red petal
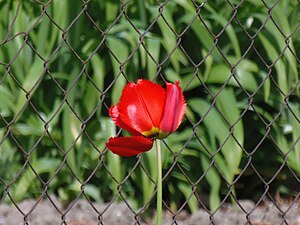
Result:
[141,105]
[174,109]
[129,146]
[115,115]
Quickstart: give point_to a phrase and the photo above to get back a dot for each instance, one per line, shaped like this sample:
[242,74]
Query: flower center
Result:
[151,133]
[154,133]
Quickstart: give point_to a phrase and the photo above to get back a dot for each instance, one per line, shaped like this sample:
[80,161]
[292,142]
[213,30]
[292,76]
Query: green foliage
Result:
[54,105]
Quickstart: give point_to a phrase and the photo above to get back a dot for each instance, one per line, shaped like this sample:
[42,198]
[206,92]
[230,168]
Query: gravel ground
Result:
[83,214]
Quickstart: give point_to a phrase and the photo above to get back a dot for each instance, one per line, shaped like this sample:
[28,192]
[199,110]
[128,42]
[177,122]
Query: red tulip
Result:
[147,111]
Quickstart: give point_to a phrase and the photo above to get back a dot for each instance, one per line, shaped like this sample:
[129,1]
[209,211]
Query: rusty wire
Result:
[104,104]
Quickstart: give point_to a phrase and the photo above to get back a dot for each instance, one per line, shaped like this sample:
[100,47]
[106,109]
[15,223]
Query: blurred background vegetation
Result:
[63,63]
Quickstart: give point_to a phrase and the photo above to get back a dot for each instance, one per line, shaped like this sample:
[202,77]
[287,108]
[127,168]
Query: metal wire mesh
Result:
[46,79]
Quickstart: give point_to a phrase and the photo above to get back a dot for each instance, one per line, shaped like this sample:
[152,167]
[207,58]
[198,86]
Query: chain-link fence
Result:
[64,63]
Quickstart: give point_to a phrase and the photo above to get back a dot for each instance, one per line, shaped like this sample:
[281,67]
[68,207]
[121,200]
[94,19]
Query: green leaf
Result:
[229,30]
[30,83]
[220,73]
[295,153]
[91,98]
[22,187]
[266,86]
[227,104]
[279,66]
[219,130]
[187,192]
[169,38]
[7,100]
[153,45]
[214,180]
[121,51]
[70,124]
[93,191]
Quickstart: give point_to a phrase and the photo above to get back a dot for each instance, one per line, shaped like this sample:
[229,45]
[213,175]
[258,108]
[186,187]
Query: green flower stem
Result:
[159,184]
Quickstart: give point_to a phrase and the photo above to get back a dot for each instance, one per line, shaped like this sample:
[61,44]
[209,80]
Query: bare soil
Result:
[82,212]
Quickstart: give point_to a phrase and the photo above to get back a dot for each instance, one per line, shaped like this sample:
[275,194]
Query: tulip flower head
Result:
[148,112]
